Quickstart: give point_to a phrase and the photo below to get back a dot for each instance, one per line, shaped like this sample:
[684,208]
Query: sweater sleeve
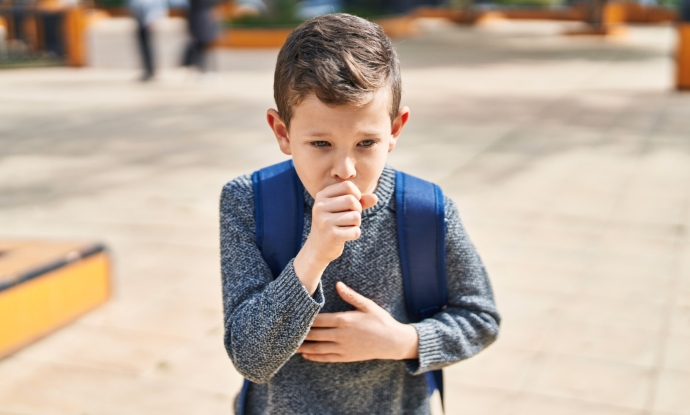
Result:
[470,321]
[266,319]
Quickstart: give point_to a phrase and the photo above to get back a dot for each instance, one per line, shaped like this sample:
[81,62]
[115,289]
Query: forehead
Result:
[312,114]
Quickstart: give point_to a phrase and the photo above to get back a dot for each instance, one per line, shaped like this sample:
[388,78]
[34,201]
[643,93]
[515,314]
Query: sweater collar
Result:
[384,191]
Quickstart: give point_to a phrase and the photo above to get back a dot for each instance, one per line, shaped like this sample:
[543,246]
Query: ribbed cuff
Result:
[431,355]
[290,292]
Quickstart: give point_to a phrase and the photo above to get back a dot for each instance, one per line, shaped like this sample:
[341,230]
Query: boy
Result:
[330,334]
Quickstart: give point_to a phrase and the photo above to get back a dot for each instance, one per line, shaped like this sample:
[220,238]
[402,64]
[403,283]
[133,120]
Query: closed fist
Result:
[336,218]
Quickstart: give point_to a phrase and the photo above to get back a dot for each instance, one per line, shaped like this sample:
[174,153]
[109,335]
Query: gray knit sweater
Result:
[266,319]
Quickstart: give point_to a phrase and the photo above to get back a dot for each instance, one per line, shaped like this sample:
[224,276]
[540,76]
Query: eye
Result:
[367,143]
[320,144]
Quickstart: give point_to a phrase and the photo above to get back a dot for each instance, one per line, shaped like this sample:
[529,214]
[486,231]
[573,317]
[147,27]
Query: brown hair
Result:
[341,58]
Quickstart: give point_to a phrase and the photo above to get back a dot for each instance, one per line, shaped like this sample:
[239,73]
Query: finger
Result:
[317,334]
[350,218]
[342,203]
[324,358]
[352,297]
[317,347]
[326,320]
[339,189]
[368,200]
[348,233]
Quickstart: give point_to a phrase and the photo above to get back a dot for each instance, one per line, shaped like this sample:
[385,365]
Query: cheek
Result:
[369,169]
[378,157]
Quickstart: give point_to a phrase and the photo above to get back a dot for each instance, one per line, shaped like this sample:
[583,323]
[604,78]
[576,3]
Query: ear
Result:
[397,126]
[280,130]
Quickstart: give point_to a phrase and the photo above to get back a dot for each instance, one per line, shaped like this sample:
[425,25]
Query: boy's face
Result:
[331,144]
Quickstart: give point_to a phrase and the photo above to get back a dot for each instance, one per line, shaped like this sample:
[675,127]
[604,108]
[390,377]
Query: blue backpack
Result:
[420,216]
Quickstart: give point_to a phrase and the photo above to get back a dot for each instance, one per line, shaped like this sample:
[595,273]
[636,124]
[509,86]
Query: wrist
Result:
[309,268]
[409,342]
[312,256]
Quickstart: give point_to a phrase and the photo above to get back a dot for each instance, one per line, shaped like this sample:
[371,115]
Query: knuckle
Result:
[352,201]
[345,321]
[320,196]
[345,236]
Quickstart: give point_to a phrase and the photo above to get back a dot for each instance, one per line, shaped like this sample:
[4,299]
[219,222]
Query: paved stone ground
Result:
[569,159]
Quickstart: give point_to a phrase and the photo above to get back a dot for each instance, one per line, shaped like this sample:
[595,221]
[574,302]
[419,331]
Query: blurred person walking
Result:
[18,11]
[147,12]
[684,11]
[203,30]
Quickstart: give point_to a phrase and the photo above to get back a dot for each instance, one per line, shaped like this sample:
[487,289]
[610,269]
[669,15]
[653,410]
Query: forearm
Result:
[453,335]
[266,317]
[264,331]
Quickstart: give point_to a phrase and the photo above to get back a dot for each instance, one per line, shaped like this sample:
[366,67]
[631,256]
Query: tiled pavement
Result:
[569,159]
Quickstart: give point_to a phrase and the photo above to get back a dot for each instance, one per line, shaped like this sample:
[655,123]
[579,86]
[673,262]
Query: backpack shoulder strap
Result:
[420,215]
[278,213]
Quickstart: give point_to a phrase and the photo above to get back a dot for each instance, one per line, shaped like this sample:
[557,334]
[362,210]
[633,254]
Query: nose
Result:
[344,168]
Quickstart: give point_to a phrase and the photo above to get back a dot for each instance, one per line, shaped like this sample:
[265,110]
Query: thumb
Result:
[352,297]
[368,200]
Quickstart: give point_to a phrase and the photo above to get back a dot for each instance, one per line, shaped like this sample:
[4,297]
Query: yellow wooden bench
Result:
[46,284]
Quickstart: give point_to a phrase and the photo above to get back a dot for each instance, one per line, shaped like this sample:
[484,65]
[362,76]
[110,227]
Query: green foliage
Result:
[672,4]
[369,13]
[530,3]
[280,13]
[106,4]
[15,62]
[368,9]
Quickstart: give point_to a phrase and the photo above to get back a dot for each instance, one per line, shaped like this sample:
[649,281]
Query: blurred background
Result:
[559,128]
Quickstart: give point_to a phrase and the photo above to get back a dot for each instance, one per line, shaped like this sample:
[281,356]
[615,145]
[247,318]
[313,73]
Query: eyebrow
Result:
[326,134]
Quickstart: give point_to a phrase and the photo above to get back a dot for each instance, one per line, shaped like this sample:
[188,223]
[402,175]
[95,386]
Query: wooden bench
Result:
[45,285]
